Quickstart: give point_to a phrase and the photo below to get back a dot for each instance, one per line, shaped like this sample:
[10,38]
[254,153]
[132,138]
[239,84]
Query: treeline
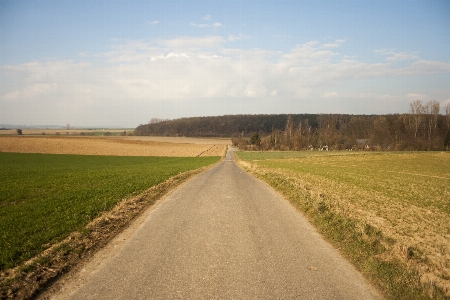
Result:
[423,128]
[220,126]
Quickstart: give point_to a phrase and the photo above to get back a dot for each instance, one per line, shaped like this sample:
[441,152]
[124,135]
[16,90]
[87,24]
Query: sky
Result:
[121,63]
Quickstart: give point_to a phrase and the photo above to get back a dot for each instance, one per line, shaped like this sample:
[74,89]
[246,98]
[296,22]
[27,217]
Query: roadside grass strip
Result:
[388,213]
[45,197]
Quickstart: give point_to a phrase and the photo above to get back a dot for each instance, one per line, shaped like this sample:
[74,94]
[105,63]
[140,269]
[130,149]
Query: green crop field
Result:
[389,212]
[44,197]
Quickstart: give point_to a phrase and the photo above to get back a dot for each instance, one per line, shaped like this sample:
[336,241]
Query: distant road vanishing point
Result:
[222,235]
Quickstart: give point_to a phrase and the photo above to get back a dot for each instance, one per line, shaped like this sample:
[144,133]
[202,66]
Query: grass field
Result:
[44,197]
[389,213]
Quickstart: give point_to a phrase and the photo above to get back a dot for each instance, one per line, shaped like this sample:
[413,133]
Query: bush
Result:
[255,139]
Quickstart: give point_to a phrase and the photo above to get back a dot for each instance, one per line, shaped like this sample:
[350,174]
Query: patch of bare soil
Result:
[37,274]
[181,140]
[115,146]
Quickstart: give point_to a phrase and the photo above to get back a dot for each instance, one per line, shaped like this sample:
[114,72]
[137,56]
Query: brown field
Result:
[61,131]
[181,140]
[115,146]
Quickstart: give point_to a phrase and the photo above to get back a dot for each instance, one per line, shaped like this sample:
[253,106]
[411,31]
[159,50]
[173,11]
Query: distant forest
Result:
[423,128]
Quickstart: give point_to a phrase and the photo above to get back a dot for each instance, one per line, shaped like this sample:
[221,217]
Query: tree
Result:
[380,132]
[431,109]
[435,108]
[416,111]
[255,139]
[19,131]
[447,141]
[447,114]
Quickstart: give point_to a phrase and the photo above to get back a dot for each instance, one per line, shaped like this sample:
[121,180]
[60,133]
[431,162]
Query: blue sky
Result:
[121,63]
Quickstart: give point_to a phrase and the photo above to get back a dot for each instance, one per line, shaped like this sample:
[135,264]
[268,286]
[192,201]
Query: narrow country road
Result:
[221,235]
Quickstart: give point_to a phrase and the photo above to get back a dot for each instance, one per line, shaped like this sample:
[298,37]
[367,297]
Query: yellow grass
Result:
[115,146]
[404,196]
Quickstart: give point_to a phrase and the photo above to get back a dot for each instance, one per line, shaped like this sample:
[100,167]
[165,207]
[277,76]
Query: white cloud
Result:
[384,51]
[415,96]
[239,37]
[153,22]
[393,55]
[203,66]
[133,51]
[194,42]
[401,57]
[426,67]
[11,96]
[253,55]
[199,25]
[206,25]
[307,54]
[140,74]
[334,45]
[330,94]
[51,86]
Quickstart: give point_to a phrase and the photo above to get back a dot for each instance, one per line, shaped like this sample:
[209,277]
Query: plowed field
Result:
[115,146]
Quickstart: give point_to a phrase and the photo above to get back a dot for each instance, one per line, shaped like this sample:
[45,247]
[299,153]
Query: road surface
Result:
[221,235]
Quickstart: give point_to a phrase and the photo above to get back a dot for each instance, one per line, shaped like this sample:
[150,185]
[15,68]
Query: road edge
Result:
[38,275]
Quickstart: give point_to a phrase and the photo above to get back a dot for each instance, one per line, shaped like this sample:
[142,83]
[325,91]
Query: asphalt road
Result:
[221,235]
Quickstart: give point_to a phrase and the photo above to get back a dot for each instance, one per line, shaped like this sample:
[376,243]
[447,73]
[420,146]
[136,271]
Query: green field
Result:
[389,212]
[44,197]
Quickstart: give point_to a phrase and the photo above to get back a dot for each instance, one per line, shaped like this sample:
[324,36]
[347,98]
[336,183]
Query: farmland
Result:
[66,132]
[115,146]
[387,212]
[62,197]
[45,197]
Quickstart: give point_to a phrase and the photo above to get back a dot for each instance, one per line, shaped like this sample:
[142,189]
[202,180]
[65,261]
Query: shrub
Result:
[255,139]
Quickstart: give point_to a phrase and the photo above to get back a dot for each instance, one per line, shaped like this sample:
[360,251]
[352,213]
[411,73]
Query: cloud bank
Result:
[194,76]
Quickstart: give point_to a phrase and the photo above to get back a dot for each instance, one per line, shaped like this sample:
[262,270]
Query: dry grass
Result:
[115,146]
[398,201]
